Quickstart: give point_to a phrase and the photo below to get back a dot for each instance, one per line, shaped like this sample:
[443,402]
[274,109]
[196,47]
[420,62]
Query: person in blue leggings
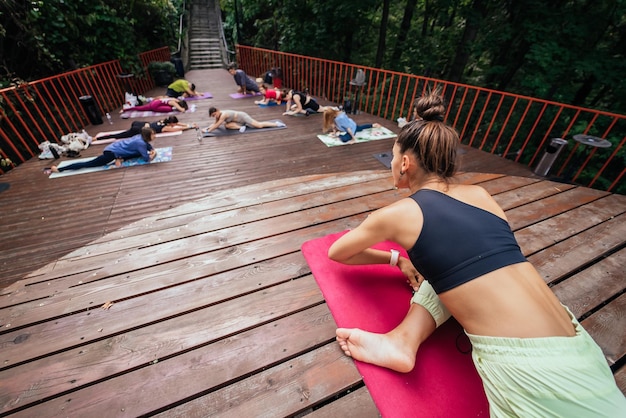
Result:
[336,120]
[136,146]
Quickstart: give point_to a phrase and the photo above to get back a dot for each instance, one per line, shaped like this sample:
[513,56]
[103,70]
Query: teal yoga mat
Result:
[163,155]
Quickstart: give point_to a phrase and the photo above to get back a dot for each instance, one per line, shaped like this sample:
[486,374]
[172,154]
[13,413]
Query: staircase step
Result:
[206,50]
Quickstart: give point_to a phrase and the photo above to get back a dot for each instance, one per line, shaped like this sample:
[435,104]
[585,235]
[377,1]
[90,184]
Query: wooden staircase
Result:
[205,49]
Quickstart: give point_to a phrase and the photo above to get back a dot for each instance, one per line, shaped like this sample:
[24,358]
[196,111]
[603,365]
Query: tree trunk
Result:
[473,21]
[405,27]
[382,35]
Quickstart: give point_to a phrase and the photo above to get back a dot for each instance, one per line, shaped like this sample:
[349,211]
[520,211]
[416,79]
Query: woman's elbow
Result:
[335,255]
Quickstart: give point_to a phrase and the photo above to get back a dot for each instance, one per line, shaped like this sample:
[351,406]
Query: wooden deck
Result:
[212,310]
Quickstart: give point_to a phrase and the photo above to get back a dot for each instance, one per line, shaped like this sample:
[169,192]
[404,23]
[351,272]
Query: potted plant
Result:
[162,72]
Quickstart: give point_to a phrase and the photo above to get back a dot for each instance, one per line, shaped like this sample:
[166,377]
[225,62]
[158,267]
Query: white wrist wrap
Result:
[395,255]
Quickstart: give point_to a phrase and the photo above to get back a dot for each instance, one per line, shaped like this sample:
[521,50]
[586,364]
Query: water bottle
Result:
[109,119]
[199,135]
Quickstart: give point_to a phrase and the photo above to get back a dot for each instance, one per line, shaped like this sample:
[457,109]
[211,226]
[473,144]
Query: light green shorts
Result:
[540,377]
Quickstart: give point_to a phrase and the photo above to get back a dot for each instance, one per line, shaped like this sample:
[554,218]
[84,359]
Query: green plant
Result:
[164,66]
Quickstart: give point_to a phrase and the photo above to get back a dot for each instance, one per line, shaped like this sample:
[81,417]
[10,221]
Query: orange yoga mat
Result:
[444,382]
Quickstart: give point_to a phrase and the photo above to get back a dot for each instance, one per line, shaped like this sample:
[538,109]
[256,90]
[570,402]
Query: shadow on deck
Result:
[212,308]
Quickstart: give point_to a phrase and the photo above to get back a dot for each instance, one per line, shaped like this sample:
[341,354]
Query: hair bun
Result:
[431,107]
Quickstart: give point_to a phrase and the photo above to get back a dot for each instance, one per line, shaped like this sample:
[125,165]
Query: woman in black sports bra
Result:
[532,355]
[298,102]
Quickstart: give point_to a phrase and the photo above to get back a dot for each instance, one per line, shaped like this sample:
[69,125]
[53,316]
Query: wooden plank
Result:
[162,382]
[116,262]
[356,404]
[602,326]
[285,390]
[620,378]
[84,365]
[594,286]
[506,184]
[191,268]
[136,304]
[574,253]
[531,192]
[560,227]
[536,211]
[212,220]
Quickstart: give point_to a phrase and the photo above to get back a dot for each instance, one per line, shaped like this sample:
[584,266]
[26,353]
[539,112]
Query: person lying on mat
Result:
[118,151]
[169,124]
[338,123]
[269,95]
[299,102]
[161,105]
[233,119]
[532,355]
[244,83]
[181,87]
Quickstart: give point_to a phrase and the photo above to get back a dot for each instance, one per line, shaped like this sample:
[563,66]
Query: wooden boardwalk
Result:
[179,289]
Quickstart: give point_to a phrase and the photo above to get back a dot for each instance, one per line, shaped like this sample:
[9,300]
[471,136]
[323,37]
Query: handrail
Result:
[180,26]
[230,54]
[46,109]
[504,124]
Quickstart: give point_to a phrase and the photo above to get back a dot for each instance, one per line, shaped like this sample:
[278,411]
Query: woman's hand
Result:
[408,269]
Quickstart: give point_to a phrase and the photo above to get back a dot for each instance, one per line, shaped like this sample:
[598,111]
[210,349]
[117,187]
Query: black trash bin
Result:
[178,65]
[91,109]
[549,157]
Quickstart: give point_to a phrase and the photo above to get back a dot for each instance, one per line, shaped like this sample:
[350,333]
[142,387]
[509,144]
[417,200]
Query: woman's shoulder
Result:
[477,196]
[469,190]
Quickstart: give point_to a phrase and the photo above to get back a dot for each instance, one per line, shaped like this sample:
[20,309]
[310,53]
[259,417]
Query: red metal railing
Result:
[49,108]
[510,125]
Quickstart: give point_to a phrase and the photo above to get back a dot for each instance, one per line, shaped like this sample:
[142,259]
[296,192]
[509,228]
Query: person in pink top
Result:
[269,95]
[162,105]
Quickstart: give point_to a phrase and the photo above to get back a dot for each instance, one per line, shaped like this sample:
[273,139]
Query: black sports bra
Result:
[460,242]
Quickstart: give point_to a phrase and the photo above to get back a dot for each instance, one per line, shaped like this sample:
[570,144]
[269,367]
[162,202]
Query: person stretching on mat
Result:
[169,124]
[244,83]
[181,88]
[269,95]
[161,105]
[233,119]
[137,146]
[532,355]
[298,102]
[336,121]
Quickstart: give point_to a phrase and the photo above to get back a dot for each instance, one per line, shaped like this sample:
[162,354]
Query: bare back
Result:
[512,301]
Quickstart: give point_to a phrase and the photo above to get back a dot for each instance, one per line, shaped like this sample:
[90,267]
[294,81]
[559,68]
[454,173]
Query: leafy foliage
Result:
[40,38]
[570,51]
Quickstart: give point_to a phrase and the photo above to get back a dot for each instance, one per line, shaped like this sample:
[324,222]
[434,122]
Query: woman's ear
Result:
[405,164]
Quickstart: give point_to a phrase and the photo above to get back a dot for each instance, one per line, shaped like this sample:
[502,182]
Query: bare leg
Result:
[260,125]
[232,125]
[395,350]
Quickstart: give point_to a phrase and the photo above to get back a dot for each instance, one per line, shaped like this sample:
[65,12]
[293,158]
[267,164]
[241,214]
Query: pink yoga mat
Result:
[444,382]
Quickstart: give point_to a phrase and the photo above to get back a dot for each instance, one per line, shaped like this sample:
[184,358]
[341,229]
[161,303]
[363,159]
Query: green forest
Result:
[570,51]
[40,38]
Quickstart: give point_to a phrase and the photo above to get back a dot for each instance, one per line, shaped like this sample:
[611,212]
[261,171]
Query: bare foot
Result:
[375,125]
[118,162]
[54,169]
[378,349]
